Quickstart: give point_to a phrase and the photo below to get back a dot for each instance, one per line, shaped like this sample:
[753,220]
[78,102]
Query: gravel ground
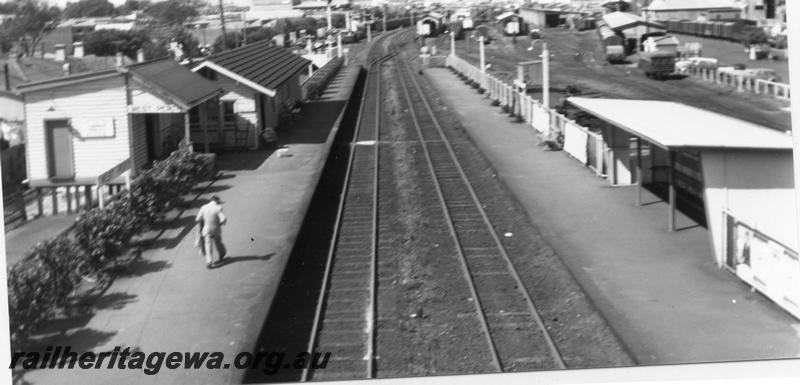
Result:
[577,60]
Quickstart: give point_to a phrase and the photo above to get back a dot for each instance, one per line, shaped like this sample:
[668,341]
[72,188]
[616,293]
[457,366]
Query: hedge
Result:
[40,284]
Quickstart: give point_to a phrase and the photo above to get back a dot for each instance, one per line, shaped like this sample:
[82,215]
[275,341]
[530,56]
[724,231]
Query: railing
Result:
[741,83]
[579,142]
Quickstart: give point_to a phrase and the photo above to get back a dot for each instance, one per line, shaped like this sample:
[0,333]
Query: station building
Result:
[81,126]
[260,83]
[732,176]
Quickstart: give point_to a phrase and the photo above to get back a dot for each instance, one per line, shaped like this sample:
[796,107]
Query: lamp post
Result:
[545,72]
[452,43]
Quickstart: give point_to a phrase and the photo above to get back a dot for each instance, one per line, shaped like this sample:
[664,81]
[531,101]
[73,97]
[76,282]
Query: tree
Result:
[174,12]
[89,8]
[34,19]
[132,6]
[108,42]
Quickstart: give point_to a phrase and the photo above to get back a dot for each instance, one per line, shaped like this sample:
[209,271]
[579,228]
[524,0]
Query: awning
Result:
[673,125]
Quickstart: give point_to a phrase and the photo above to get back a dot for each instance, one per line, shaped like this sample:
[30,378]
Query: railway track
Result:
[515,333]
[345,321]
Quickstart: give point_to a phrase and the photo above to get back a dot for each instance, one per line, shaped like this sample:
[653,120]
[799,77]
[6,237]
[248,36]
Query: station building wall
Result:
[756,187]
[102,101]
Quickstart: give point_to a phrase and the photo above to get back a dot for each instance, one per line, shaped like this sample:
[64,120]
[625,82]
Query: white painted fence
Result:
[742,83]
[579,142]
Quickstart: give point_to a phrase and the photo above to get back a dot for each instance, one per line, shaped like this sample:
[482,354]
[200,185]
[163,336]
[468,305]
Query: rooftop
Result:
[674,125]
[625,20]
[260,65]
[183,86]
[669,5]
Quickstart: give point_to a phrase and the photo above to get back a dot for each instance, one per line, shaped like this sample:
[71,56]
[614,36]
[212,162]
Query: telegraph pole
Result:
[222,25]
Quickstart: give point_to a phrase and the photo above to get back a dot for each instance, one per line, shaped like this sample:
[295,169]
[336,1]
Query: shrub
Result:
[185,168]
[40,283]
[103,234]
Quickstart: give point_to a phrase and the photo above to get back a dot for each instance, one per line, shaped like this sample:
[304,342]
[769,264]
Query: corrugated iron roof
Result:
[186,86]
[675,125]
[261,63]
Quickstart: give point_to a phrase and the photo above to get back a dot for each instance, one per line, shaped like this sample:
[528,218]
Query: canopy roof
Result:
[674,125]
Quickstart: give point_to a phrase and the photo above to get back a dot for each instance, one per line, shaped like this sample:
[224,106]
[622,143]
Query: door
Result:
[151,132]
[60,160]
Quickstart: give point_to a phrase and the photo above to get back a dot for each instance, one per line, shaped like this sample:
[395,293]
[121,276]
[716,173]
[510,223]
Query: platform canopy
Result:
[674,125]
[623,20]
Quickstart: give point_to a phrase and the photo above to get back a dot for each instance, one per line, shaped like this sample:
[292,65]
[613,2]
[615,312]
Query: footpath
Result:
[167,301]
[660,291]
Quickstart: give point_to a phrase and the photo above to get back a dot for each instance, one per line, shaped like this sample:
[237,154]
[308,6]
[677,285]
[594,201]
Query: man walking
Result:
[210,219]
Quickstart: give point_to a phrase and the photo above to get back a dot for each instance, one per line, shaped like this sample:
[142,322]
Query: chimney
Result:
[61,52]
[139,55]
[77,49]
[120,62]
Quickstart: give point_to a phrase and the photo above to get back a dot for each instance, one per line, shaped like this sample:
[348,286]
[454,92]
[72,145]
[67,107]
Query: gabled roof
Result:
[624,20]
[261,66]
[671,5]
[182,86]
[675,125]
[187,87]
[505,15]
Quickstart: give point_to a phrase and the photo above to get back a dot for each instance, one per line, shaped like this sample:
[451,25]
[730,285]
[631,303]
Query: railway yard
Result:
[580,62]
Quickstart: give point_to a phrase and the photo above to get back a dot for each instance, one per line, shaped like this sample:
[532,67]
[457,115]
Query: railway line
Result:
[346,319]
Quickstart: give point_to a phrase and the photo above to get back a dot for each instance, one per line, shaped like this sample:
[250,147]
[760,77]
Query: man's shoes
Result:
[210,265]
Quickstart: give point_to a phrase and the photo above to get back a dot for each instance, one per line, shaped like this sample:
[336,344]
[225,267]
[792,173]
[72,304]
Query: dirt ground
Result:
[577,60]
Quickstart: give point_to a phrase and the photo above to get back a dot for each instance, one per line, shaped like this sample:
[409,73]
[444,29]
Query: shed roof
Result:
[259,65]
[673,5]
[674,125]
[505,15]
[624,20]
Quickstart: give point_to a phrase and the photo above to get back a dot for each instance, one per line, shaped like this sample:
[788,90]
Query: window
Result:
[227,110]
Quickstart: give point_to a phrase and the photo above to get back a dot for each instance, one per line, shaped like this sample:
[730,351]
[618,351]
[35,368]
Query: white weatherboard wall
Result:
[244,106]
[102,100]
[756,187]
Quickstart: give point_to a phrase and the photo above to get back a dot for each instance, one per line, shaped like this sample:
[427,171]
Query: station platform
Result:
[660,291]
[168,301]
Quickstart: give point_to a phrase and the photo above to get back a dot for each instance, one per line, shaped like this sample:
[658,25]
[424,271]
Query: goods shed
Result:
[632,27]
[732,175]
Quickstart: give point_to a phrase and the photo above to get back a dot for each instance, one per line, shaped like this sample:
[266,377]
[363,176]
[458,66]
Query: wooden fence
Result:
[579,142]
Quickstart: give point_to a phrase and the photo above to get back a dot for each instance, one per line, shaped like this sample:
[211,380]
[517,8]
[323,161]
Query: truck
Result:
[657,64]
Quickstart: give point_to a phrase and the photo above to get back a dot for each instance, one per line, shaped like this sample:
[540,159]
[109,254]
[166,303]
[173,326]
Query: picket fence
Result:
[579,142]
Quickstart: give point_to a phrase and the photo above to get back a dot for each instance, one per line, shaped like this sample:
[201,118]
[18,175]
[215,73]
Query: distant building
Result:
[694,9]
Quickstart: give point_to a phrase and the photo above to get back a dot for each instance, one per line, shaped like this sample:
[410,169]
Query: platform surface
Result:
[660,291]
[169,302]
